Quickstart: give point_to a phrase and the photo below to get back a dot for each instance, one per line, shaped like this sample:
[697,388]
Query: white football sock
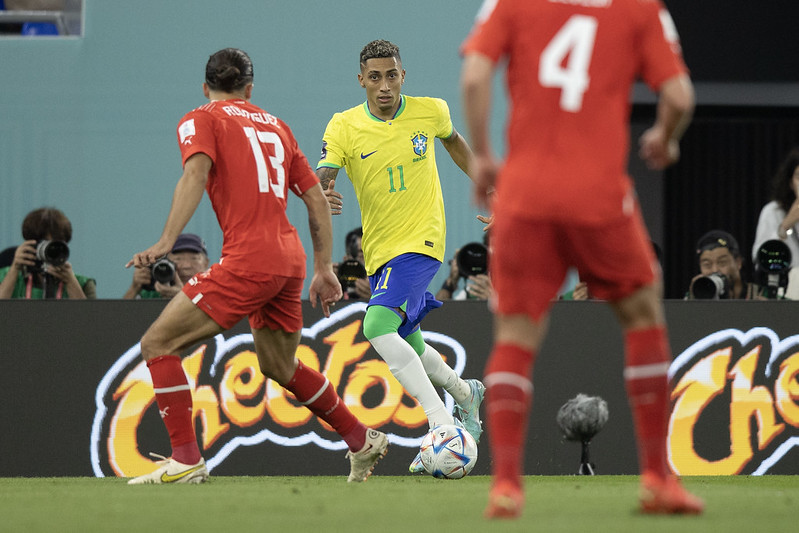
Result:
[406,366]
[442,375]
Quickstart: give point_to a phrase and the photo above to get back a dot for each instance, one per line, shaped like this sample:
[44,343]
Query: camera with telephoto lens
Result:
[348,272]
[715,286]
[472,260]
[50,253]
[771,271]
[163,271]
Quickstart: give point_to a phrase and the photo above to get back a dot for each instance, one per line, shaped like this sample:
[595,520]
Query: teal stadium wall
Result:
[88,124]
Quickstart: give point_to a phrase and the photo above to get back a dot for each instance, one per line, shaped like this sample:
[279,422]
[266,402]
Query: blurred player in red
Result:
[248,161]
[563,198]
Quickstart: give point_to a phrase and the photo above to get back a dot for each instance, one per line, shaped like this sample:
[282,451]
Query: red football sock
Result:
[173,395]
[647,357]
[314,391]
[509,394]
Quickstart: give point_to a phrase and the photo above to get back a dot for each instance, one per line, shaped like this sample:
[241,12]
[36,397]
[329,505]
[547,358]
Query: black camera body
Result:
[163,271]
[348,272]
[771,271]
[714,286]
[50,253]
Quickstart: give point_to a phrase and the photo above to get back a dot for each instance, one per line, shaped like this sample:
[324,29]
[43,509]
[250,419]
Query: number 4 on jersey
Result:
[574,40]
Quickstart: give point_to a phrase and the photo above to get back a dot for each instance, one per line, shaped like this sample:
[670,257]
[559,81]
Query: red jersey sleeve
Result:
[195,135]
[661,56]
[491,33]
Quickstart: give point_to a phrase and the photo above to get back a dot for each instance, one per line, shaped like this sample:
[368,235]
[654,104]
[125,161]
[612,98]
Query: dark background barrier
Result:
[54,355]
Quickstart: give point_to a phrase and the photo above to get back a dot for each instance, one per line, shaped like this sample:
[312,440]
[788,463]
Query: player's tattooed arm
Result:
[327,177]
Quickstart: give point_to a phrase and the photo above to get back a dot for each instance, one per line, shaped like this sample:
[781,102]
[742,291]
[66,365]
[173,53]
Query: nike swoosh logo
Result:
[367,155]
[166,478]
[375,295]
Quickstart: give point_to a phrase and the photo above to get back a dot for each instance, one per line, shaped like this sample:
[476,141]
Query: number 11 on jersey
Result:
[391,179]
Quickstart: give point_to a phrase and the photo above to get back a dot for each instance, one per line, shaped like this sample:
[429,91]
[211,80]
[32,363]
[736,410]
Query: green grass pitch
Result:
[385,504]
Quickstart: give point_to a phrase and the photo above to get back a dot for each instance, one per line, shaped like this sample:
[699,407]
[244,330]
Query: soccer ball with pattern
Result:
[448,452]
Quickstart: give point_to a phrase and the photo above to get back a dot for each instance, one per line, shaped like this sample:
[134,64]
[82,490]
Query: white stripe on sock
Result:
[318,393]
[509,378]
[166,390]
[646,371]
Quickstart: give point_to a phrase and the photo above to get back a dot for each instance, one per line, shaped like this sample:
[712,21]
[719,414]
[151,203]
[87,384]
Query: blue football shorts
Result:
[402,283]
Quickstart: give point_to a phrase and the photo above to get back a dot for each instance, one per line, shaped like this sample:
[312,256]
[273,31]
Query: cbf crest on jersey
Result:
[419,141]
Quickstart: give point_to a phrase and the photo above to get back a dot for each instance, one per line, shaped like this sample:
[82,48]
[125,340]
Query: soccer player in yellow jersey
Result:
[387,146]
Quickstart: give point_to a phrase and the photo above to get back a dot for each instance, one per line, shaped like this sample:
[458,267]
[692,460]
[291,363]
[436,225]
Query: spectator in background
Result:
[351,271]
[469,263]
[30,277]
[718,254]
[579,292]
[7,256]
[189,256]
[780,217]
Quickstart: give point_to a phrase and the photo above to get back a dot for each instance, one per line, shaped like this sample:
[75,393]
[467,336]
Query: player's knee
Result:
[379,321]
[150,346]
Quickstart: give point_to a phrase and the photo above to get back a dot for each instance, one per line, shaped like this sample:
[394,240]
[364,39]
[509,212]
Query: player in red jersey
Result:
[248,161]
[563,199]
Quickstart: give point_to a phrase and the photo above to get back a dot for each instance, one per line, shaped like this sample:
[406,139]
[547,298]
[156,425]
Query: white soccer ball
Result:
[448,452]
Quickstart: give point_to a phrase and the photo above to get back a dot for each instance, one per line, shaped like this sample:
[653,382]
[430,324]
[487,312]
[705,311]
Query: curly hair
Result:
[379,48]
[228,70]
[782,192]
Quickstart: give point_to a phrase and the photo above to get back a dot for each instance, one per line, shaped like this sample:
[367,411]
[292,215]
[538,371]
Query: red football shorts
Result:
[269,301]
[530,259]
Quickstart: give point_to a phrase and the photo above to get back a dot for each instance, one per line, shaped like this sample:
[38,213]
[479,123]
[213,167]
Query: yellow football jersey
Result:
[392,166]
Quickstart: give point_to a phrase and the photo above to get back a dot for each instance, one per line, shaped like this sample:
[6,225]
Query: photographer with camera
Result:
[166,277]
[40,268]
[469,263]
[720,265]
[779,219]
[351,271]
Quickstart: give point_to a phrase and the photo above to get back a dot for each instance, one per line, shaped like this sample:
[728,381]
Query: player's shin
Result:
[509,392]
[173,395]
[407,368]
[442,375]
[315,392]
[647,356]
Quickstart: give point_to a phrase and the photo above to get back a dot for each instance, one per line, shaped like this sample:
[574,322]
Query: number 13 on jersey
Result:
[265,184]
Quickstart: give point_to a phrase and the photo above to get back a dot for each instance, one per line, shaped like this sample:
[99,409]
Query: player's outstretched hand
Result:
[487,220]
[326,288]
[334,198]
[150,255]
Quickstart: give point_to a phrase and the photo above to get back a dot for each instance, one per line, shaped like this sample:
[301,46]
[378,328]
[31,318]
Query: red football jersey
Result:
[571,67]
[256,161]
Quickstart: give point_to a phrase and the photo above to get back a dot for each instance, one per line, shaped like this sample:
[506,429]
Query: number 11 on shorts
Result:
[382,283]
